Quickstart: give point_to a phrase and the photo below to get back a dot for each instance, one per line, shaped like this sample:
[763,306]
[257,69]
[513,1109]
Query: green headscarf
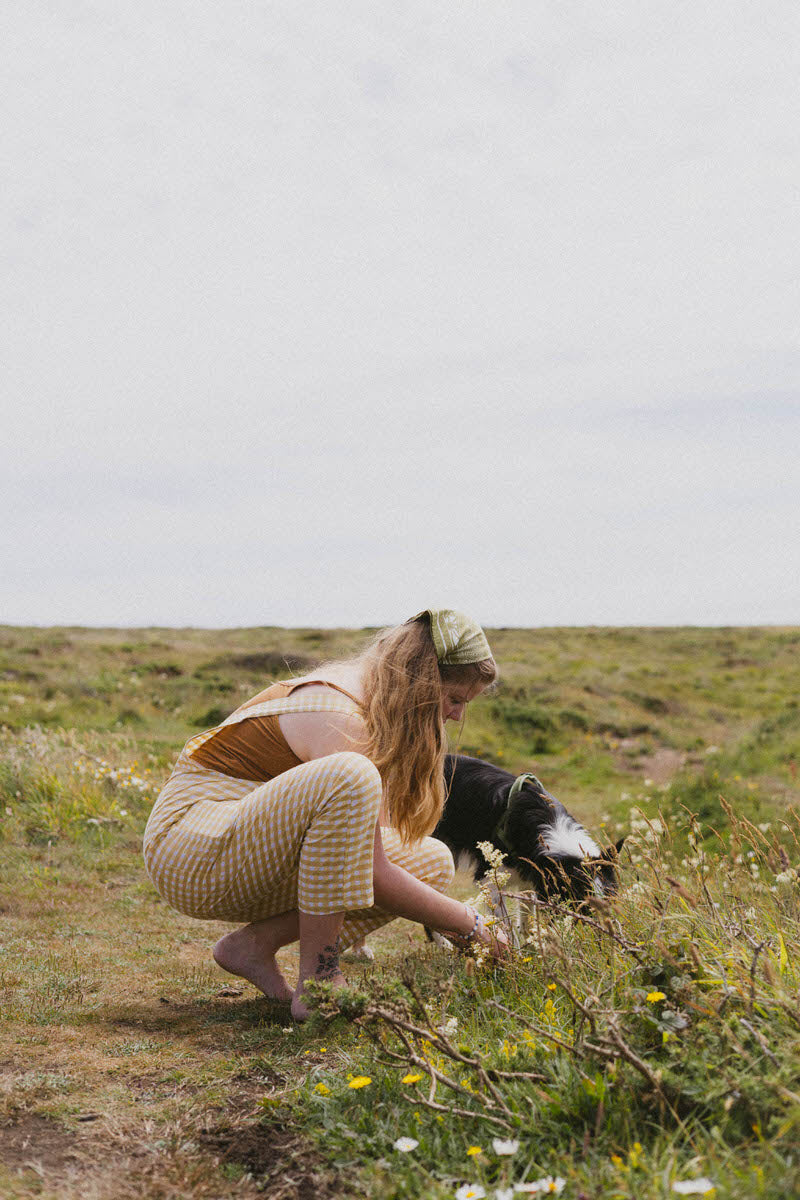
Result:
[457,638]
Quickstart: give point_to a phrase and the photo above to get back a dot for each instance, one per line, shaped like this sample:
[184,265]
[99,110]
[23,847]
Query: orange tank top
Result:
[254,747]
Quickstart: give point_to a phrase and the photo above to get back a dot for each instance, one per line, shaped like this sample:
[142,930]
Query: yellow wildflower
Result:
[473,1151]
[653,997]
[322,1089]
[359,1081]
[411,1078]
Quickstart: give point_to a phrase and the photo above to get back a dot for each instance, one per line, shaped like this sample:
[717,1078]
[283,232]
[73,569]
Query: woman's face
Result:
[456,697]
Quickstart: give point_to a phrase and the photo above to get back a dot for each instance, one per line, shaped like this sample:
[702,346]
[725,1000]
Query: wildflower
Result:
[693,1187]
[470,1191]
[504,1194]
[359,1081]
[505,1147]
[450,1027]
[551,987]
[654,997]
[322,1088]
[548,1186]
[494,857]
[405,1144]
[411,1078]
[473,1151]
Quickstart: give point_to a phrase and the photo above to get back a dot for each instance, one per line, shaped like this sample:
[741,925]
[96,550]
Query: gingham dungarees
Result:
[217,847]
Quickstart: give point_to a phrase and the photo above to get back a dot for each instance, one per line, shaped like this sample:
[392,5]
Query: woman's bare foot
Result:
[246,952]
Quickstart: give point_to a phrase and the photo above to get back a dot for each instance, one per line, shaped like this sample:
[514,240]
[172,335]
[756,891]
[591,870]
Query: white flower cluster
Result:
[638,888]
[693,1187]
[548,1186]
[495,858]
[494,881]
[121,777]
[650,828]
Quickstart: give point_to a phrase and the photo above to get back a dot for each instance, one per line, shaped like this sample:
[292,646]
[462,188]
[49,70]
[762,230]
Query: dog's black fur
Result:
[477,810]
[535,833]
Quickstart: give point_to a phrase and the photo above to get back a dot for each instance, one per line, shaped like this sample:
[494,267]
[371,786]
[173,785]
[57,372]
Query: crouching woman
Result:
[307,813]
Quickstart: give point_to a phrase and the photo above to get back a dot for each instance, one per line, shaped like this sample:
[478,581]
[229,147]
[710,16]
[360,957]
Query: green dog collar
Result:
[501,832]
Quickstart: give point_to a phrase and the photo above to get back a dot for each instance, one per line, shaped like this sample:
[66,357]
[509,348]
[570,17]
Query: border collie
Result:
[550,852]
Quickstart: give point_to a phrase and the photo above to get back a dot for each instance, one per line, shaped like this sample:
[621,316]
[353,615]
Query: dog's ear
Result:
[611,853]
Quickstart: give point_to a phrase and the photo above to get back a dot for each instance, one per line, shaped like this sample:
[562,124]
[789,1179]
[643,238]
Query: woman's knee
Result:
[358,775]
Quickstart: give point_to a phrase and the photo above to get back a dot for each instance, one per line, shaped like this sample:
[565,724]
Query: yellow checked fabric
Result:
[239,850]
[429,860]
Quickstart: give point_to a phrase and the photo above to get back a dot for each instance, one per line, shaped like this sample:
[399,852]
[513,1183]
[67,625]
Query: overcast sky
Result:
[318,314]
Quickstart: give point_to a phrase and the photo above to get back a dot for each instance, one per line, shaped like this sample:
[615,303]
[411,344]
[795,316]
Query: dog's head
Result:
[553,852]
[574,880]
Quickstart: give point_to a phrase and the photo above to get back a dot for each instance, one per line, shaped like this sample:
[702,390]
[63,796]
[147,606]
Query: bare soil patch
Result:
[286,1166]
[662,764]
[39,1144]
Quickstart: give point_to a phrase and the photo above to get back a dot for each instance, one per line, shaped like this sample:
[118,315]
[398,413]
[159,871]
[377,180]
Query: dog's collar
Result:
[501,832]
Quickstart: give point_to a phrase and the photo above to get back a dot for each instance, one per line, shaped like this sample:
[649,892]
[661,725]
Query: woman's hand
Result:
[399,892]
[492,937]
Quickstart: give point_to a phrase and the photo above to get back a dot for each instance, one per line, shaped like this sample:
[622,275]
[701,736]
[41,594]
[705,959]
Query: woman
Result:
[307,813]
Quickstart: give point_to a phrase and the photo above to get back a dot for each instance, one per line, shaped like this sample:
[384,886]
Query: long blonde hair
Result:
[406,738]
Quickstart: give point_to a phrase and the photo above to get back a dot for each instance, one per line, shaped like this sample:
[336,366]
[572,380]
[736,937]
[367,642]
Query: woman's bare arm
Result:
[402,894]
[317,734]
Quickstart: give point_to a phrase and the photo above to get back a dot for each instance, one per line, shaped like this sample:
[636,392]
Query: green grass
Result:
[131,1066]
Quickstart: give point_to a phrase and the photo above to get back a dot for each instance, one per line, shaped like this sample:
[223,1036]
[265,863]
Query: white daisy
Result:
[404,1144]
[501,1147]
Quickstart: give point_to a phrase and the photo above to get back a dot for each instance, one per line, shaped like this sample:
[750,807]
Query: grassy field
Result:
[654,1043]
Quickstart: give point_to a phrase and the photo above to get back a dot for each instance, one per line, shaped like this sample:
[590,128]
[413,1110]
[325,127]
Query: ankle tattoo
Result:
[328,961]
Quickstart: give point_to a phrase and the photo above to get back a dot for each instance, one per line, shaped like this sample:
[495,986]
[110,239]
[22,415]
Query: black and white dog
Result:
[549,852]
[547,849]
